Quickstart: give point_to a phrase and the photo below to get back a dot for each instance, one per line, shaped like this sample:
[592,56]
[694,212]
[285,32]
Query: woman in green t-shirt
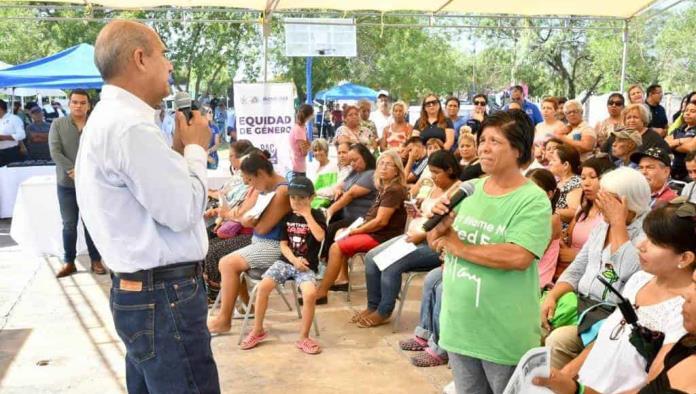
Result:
[492,243]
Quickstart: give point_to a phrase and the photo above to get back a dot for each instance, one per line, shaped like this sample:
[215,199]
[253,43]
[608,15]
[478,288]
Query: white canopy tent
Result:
[620,10]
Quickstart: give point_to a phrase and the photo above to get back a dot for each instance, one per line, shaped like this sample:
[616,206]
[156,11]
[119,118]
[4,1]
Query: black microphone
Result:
[184,103]
[465,190]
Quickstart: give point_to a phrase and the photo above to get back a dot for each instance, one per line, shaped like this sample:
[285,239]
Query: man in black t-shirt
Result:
[300,243]
[658,120]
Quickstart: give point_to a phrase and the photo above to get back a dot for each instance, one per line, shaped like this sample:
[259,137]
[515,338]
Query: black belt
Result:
[167,272]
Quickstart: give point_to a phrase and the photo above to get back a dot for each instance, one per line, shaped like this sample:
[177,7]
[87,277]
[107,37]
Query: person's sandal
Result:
[251,340]
[427,359]
[413,344]
[308,345]
[366,322]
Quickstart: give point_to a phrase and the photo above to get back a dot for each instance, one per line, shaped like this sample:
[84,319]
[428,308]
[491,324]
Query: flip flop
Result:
[308,346]
[359,315]
[251,340]
[365,322]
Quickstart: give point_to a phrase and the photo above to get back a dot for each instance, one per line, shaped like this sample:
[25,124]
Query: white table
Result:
[11,178]
[36,223]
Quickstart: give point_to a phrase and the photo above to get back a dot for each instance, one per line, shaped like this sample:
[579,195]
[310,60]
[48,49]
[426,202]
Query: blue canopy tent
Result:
[347,91]
[71,68]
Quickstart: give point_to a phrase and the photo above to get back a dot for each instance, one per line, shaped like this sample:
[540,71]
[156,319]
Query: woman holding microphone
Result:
[492,242]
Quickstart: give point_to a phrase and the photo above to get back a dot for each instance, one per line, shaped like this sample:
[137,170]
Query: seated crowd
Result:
[553,204]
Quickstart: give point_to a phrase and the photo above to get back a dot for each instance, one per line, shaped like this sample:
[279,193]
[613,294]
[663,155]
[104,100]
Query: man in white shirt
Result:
[11,133]
[382,116]
[144,204]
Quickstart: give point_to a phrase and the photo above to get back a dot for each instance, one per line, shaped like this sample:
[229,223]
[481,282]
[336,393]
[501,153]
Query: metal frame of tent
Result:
[272,5]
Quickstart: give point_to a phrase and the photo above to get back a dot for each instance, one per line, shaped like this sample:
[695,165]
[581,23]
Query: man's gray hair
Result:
[321,144]
[115,45]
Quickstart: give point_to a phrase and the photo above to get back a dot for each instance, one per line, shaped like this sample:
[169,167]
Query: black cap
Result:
[300,186]
[655,152]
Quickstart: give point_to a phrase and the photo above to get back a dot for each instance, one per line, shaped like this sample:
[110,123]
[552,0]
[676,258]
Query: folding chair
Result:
[403,293]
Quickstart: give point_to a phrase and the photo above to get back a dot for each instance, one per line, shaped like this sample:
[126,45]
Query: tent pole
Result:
[624,58]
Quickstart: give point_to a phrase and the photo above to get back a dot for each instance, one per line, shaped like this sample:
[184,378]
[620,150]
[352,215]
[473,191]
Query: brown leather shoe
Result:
[98,268]
[67,270]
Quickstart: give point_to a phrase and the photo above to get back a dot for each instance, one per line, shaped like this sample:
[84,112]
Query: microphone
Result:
[184,103]
[465,190]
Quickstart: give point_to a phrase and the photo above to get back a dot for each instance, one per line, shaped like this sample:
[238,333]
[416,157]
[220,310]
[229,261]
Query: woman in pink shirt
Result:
[299,146]
[588,214]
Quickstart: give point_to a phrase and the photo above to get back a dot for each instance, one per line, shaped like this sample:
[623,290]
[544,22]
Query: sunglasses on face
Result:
[431,103]
[480,103]
[615,104]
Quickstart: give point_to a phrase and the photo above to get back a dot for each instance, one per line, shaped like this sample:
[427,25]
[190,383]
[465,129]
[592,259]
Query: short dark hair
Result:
[517,129]
[618,96]
[652,88]
[690,156]
[367,156]
[518,88]
[547,182]
[452,98]
[414,140]
[304,112]
[3,105]
[447,162]
[480,95]
[80,92]
[570,155]
[666,229]
[561,100]
[256,162]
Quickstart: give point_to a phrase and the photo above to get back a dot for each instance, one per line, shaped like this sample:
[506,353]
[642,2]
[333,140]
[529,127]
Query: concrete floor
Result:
[56,336]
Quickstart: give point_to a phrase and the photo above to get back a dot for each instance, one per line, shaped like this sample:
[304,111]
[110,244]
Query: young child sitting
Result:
[300,242]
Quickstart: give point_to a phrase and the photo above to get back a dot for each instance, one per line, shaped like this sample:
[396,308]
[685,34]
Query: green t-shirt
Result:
[493,314]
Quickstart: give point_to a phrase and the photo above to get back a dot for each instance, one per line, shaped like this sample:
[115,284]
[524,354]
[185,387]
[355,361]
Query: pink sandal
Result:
[251,340]
[308,345]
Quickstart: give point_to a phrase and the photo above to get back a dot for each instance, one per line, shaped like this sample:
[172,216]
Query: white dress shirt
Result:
[11,124]
[141,201]
[381,121]
[166,126]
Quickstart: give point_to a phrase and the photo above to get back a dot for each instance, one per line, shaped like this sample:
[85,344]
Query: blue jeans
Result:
[70,214]
[429,326]
[383,286]
[167,341]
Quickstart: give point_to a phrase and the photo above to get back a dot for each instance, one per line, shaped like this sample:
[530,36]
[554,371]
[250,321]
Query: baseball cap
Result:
[300,186]
[655,152]
[628,134]
[382,93]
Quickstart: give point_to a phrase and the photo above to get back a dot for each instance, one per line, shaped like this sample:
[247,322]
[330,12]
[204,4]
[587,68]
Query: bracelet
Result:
[579,388]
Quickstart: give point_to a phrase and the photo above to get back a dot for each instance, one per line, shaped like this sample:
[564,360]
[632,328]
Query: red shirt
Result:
[665,195]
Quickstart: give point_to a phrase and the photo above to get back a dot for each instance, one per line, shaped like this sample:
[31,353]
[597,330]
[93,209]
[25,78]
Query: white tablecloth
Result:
[36,223]
[11,178]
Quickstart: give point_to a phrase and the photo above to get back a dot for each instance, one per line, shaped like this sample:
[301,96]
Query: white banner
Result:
[265,114]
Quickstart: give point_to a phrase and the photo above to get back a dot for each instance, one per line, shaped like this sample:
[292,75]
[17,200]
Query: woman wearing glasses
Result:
[637,117]
[385,219]
[615,104]
[433,123]
[658,292]
[578,133]
[478,114]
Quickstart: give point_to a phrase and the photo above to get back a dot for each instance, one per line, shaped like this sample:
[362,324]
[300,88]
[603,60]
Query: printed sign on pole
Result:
[265,116]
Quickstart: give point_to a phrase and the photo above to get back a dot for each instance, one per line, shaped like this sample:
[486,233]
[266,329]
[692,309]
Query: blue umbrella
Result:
[347,91]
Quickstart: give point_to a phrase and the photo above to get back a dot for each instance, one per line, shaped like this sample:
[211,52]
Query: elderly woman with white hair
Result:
[610,251]
[578,133]
[637,117]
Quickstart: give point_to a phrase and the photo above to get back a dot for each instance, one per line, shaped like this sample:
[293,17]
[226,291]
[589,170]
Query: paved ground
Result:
[56,336]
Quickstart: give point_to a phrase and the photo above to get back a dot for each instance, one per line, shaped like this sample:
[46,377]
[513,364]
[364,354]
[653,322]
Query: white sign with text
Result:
[265,116]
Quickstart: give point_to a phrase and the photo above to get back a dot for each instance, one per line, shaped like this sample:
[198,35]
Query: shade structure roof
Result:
[70,68]
[347,91]
[595,8]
